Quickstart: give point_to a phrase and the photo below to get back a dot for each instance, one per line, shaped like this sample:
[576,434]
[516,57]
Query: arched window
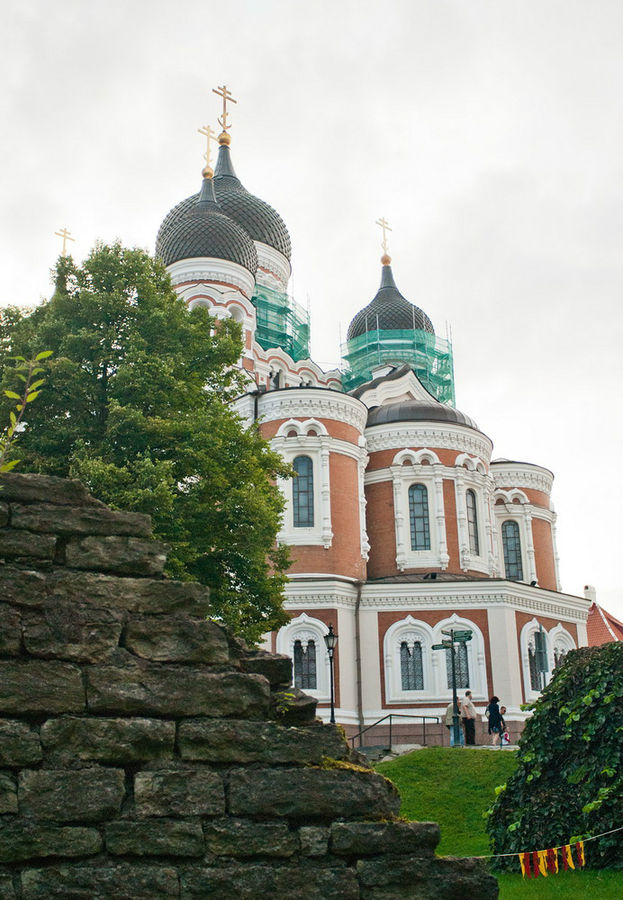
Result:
[512,550]
[418,517]
[461,667]
[411,671]
[303,493]
[305,665]
[535,675]
[472,523]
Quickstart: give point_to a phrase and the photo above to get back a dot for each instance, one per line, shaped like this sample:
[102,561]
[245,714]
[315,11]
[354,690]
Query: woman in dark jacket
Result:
[495,720]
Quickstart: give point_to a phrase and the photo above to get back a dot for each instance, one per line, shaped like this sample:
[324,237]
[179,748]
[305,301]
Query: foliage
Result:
[139,410]
[569,780]
[452,787]
[25,372]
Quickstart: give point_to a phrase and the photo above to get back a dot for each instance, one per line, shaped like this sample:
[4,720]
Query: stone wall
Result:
[144,752]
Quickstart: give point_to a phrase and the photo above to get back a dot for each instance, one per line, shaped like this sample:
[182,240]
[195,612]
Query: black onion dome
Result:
[389,311]
[257,218]
[418,411]
[198,227]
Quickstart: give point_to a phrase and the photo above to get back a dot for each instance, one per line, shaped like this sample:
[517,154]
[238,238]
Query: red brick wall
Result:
[381,529]
[544,554]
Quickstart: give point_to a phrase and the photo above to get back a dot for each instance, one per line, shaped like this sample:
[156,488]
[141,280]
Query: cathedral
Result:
[402,525]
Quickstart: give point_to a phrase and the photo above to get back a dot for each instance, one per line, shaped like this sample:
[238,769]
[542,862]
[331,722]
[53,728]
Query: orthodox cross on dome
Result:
[222,91]
[386,227]
[66,236]
[210,136]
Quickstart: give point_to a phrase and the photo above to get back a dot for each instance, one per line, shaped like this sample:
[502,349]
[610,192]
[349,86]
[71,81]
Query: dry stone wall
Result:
[144,752]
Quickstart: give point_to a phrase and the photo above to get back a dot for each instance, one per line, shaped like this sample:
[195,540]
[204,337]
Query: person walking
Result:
[468,718]
[495,721]
[449,721]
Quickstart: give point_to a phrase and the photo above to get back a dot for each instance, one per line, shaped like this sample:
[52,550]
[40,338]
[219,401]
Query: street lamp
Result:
[330,640]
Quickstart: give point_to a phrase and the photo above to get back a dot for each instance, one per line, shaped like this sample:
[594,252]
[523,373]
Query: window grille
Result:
[461,666]
[472,523]
[411,670]
[512,551]
[303,493]
[535,675]
[305,665]
[418,517]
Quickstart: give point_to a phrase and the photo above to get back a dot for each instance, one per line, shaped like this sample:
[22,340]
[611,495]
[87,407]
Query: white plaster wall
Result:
[505,668]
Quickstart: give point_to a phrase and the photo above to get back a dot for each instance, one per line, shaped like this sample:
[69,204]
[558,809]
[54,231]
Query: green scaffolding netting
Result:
[429,356]
[281,322]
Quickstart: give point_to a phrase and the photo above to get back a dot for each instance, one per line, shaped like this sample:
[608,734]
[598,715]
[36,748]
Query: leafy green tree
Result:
[569,781]
[137,406]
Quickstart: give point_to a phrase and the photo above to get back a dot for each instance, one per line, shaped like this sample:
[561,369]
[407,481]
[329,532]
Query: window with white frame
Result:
[419,510]
[461,666]
[472,522]
[304,660]
[419,521]
[303,493]
[557,643]
[411,669]
[302,639]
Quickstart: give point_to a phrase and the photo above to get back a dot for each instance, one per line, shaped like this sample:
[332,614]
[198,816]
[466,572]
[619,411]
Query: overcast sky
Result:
[488,132]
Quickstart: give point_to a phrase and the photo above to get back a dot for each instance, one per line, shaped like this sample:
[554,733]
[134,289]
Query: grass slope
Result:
[454,788]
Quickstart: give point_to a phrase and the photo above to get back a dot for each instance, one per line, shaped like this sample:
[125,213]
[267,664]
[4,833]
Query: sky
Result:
[489,133]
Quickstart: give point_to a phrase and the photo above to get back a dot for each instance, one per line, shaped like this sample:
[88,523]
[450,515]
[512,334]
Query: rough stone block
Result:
[20,840]
[150,689]
[311,794]
[61,586]
[4,518]
[293,707]
[19,745]
[26,544]
[237,837]
[45,488]
[157,837]
[79,520]
[82,795]
[125,555]
[123,882]
[412,876]
[118,741]
[255,882]
[8,794]
[393,838]
[177,639]
[314,840]
[276,667]
[7,891]
[74,633]
[245,742]
[182,792]
[10,631]
[35,687]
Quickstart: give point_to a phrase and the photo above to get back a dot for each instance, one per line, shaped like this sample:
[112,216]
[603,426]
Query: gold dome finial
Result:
[207,171]
[66,236]
[221,91]
[386,258]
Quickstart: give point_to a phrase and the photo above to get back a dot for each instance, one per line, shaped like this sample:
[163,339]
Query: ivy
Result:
[569,778]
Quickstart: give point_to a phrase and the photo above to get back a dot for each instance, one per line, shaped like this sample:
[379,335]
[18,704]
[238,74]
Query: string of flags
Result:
[535,863]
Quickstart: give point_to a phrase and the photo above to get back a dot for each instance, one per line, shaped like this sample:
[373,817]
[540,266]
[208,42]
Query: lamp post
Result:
[330,640]
[455,637]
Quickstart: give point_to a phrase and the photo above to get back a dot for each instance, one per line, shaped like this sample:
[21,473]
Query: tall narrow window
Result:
[472,523]
[418,517]
[303,492]
[461,666]
[411,672]
[535,675]
[305,665]
[512,550]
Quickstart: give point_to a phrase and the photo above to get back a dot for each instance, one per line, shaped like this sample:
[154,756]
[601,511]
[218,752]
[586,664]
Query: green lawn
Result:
[454,788]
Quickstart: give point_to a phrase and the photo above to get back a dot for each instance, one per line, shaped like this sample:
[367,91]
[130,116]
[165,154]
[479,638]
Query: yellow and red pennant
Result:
[543,862]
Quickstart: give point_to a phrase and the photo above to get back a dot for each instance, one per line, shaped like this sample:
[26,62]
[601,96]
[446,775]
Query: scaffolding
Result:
[281,322]
[429,356]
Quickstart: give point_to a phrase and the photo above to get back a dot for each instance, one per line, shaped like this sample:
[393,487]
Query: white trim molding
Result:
[304,628]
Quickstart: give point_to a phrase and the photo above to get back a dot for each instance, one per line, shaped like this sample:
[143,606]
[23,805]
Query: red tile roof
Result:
[602,627]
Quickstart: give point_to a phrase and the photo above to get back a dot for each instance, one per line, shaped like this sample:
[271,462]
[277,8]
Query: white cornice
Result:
[526,475]
[398,435]
[275,262]
[207,269]
[309,402]
[389,390]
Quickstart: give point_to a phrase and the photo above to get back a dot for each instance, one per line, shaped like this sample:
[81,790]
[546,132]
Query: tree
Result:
[569,781]
[137,406]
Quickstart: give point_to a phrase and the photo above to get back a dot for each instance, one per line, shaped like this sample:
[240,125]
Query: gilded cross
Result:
[66,236]
[211,136]
[385,226]
[226,95]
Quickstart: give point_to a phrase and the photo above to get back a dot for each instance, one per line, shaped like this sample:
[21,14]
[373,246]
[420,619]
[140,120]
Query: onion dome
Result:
[389,311]
[198,227]
[418,411]
[259,219]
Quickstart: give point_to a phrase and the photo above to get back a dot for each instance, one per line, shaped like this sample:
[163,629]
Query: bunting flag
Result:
[552,859]
[567,858]
[543,862]
[535,863]
[579,852]
[524,862]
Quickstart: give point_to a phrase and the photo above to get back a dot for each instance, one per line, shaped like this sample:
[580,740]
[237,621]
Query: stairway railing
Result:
[392,716]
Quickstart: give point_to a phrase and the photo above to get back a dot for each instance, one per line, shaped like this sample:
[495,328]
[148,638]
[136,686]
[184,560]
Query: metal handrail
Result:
[391,716]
